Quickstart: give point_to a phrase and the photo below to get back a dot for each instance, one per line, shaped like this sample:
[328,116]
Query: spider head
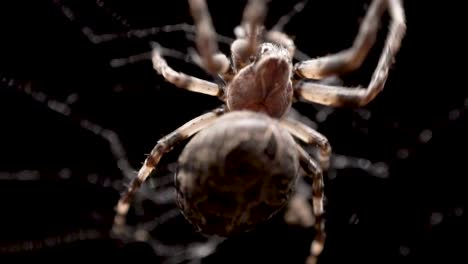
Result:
[265,84]
[273,62]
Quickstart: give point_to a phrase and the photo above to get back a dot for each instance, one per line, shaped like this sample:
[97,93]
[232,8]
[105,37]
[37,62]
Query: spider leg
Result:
[213,61]
[310,136]
[299,211]
[353,57]
[314,171]
[182,80]
[249,33]
[163,146]
[344,96]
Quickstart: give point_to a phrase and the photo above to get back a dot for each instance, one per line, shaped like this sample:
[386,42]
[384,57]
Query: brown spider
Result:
[240,169]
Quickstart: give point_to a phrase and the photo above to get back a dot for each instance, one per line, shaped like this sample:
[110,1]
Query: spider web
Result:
[110,114]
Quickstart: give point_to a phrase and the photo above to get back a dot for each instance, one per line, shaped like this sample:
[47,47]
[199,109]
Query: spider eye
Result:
[265,49]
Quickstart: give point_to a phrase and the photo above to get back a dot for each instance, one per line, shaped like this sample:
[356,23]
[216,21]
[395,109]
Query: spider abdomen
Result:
[236,173]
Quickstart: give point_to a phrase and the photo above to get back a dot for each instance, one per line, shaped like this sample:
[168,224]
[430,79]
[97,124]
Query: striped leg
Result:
[213,61]
[314,171]
[253,18]
[349,59]
[182,80]
[249,32]
[352,58]
[310,136]
[164,145]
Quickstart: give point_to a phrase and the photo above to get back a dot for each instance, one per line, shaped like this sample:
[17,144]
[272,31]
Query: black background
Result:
[415,214]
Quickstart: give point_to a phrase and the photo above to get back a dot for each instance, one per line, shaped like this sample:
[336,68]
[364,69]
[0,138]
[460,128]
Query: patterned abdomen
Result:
[236,173]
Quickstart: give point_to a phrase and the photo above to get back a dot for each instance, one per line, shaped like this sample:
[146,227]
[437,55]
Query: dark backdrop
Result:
[59,178]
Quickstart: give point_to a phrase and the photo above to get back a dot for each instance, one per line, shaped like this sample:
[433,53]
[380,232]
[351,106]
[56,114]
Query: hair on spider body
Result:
[240,167]
[241,170]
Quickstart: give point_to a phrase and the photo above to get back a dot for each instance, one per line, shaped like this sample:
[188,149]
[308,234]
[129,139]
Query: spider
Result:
[240,165]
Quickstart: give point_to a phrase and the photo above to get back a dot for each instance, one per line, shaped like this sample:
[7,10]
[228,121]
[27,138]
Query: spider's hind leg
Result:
[298,206]
[313,170]
[163,146]
[310,136]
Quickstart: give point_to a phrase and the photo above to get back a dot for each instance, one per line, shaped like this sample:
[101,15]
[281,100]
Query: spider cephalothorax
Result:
[265,84]
[240,169]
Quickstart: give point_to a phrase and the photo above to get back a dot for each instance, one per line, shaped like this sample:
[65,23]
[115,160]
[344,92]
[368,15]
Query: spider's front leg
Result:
[182,80]
[249,33]
[213,61]
[352,58]
[164,145]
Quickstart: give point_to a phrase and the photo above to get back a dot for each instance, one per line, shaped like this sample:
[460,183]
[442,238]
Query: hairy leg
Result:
[182,80]
[349,59]
[344,96]
[213,61]
[163,146]
[314,171]
[310,136]
[249,33]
